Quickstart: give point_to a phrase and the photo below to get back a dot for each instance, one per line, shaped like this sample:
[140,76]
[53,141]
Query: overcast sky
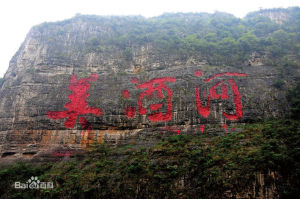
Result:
[18,16]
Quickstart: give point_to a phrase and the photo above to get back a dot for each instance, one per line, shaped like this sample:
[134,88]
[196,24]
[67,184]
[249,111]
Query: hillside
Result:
[184,104]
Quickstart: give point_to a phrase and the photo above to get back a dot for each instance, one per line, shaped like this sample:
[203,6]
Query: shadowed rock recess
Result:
[93,78]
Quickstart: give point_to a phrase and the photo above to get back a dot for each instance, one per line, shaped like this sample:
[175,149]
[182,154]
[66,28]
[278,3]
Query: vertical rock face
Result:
[61,74]
[278,17]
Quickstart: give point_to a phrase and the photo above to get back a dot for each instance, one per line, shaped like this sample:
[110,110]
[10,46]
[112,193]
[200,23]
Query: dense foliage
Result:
[179,166]
[219,38]
[293,96]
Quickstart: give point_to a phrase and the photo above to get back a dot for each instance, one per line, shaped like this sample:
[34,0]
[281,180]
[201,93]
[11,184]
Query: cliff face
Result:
[60,94]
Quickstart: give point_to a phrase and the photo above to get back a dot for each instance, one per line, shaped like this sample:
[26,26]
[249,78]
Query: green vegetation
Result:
[128,54]
[293,96]
[94,44]
[278,84]
[179,166]
[220,38]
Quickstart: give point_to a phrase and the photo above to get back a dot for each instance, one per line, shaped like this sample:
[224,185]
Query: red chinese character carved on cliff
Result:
[153,86]
[77,105]
[204,110]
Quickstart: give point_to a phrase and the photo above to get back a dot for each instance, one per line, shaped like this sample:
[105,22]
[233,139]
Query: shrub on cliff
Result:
[178,166]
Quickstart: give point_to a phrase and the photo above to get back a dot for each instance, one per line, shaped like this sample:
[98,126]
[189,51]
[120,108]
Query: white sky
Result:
[18,16]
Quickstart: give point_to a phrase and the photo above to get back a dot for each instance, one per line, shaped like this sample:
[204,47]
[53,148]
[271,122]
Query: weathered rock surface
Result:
[38,81]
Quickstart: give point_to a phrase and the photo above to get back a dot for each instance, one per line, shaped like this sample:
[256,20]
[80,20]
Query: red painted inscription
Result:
[77,105]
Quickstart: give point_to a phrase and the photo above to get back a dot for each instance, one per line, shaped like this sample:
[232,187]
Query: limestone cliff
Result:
[69,85]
